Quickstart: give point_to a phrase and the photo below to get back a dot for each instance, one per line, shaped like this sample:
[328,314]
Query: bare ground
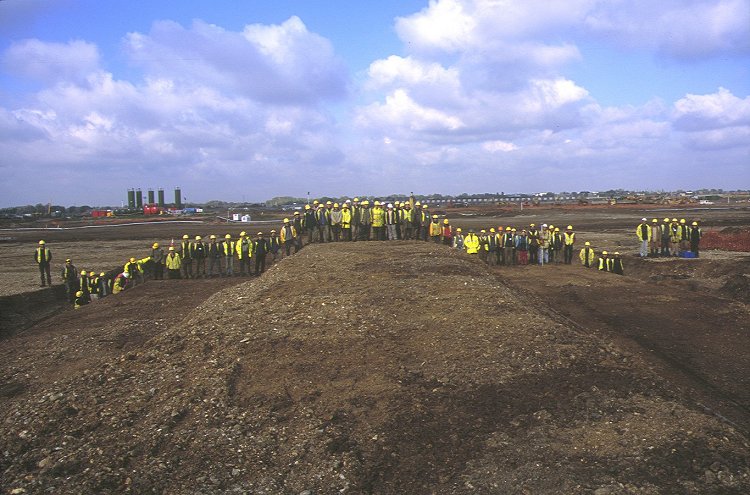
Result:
[384,368]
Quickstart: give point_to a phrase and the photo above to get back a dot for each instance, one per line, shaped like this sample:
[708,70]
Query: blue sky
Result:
[255,99]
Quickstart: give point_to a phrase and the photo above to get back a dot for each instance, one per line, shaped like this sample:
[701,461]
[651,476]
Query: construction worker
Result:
[522,248]
[120,283]
[80,300]
[336,218]
[274,244]
[482,245]
[407,222]
[695,238]
[260,250]
[587,255]
[458,239]
[200,253]
[102,285]
[665,237]
[569,239]
[215,253]
[508,244]
[684,236]
[309,222]
[157,258]
[643,231]
[133,269]
[378,221]
[435,229]
[391,222]
[186,254]
[173,262]
[447,233]
[471,243]
[417,220]
[323,216]
[244,250]
[654,245]
[616,264]
[545,240]
[365,221]
[43,258]
[346,222]
[70,279]
[287,236]
[674,237]
[356,216]
[533,244]
[297,222]
[84,285]
[228,252]
[604,262]
[426,219]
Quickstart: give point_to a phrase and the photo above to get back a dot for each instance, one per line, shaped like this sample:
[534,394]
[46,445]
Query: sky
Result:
[245,101]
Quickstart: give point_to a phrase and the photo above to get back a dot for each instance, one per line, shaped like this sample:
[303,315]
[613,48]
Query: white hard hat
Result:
[544,225]
[390,205]
[126,275]
[643,219]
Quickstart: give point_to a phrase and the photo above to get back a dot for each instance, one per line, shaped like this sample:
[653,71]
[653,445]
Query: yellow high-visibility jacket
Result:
[587,254]
[346,218]
[378,217]
[238,247]
[173,262]
[643,231]
[286,230]
[471,243]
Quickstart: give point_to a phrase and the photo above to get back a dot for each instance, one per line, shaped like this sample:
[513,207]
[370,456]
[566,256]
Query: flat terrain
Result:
[399,367]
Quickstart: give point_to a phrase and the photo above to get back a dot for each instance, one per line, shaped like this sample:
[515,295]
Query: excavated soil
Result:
[383,368]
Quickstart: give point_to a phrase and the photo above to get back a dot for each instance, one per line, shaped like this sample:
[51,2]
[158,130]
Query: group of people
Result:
[355,220]
[669,238]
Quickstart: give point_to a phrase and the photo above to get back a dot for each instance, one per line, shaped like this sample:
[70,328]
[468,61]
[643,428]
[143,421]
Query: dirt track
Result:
[384,368]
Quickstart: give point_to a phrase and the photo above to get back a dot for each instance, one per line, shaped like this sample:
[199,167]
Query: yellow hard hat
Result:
[682,220]
[186,236]
[335,205]
[156,245]
[666,219]
[377,203]
[171,248]
[513,229]
[365,203]
[228,236]
[604,252]
[346,205]
[328,203]
[307,207]
[695,224]
[68,260]
[492,229]
[417,204]
[425,207]
[355,199]
[446,221]
[551,226]
[507,228]
[587,243]
[557,229]
[286,220]
[212,236]
[42,243]
[655,220]
[102,274]
[132,260]
[401,204]
[296,213]
[243,233]
[260,233]
[273,231]
[617,253]
[482,231]
[459,230]
[532,225]
[570,227]
[198,238]
[315,202]
[674,219]
[79,293]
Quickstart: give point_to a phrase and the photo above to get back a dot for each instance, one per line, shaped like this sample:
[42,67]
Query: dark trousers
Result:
[44,269]
[533,254]
[568,254]
[173,274]
[187,267]
[260,263]
[158,271]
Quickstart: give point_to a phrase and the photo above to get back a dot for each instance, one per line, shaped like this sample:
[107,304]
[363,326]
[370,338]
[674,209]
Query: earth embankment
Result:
[363,368]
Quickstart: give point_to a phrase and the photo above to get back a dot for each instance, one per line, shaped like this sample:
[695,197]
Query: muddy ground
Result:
[389,368]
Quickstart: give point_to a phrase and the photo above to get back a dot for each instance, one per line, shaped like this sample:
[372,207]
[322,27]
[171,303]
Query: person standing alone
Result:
[43,258]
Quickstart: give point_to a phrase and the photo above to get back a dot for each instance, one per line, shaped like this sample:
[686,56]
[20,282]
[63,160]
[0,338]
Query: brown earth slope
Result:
[360,368]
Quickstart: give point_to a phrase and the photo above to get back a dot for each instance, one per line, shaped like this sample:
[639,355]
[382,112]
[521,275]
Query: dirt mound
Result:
[368,368]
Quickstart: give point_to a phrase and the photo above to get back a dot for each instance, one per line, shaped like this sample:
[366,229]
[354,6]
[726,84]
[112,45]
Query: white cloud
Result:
[51,62]
[720,109]
[277,64]
[495,146]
